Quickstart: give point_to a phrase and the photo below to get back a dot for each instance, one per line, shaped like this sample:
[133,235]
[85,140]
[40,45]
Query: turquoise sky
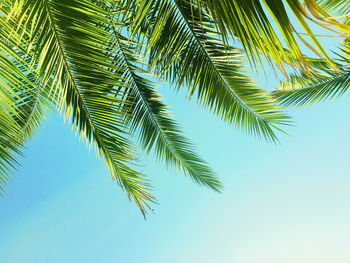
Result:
[282,203]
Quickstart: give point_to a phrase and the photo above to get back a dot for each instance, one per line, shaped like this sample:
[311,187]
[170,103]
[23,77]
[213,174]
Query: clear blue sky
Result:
[282,203]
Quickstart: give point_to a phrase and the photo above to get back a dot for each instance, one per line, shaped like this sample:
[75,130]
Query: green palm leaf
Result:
[157,130]
[185,48]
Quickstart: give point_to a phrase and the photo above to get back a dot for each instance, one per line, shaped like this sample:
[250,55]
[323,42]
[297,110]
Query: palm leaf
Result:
[80,72]
[323,84]
[148,114]
[185,49]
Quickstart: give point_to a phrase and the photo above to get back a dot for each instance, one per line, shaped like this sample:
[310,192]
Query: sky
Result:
[286,202]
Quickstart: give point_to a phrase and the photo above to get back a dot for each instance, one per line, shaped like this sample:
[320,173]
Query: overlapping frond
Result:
[262,27]
[185,48]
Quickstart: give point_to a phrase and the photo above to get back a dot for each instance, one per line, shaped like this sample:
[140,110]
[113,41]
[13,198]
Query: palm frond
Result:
[262,27]
[323,84]
[185,49]
[148,114]
[74,53]
[253,23]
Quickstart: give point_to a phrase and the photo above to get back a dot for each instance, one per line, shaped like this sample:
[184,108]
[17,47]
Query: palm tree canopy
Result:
[92,60]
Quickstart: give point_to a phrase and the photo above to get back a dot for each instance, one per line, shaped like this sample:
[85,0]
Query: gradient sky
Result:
[282,203]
